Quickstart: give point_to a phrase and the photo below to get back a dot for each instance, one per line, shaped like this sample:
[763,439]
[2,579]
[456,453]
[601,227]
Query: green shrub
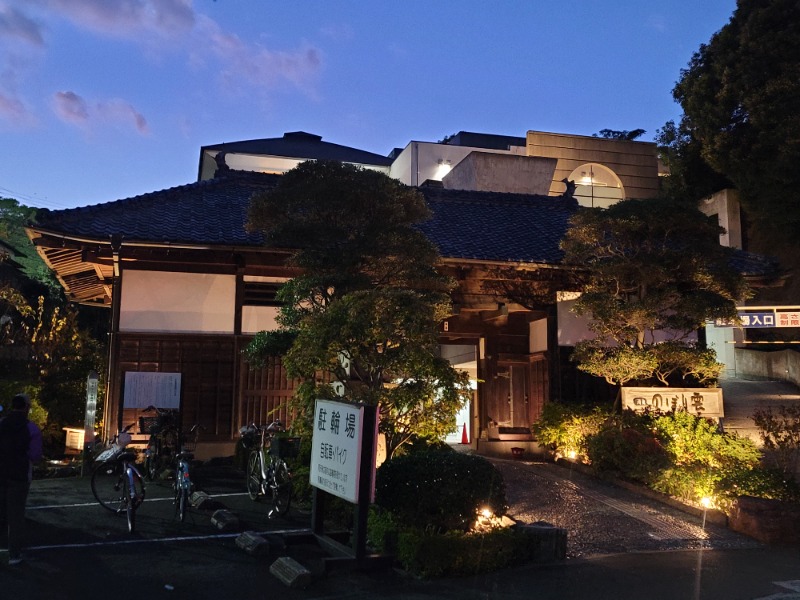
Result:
[781,436]
[628,452]
[759,482]
[565,428]
[457,553]
[439,490]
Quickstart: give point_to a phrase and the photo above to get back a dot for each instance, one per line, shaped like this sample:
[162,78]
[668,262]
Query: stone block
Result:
[225,520]
[549,542]
[252,543]
[768,521]
[290,572]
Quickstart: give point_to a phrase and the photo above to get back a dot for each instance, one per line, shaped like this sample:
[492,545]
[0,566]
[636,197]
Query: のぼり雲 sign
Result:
[336,448]
[702,402]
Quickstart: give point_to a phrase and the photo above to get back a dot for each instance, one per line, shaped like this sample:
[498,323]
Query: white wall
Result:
[259,318]
[177,302]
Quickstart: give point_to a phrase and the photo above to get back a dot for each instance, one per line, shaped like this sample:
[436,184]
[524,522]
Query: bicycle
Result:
[163,441]
[116,482]
[267,473]
[182,484]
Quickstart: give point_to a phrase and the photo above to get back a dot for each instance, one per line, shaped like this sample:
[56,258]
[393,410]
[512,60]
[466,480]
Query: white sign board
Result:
[336,448]
[703,402]
[162,390]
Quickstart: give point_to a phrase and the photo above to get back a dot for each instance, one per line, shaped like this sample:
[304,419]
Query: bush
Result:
[781,436]
[565,428]
[629,452]
[439,490]
[457,553]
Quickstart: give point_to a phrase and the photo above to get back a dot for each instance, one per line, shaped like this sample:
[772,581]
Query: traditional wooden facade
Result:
[188,287]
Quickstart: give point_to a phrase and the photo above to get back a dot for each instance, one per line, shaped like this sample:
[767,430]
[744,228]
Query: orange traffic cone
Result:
[464,438]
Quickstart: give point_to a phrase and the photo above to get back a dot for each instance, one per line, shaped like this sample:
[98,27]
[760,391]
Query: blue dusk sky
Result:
[107,99]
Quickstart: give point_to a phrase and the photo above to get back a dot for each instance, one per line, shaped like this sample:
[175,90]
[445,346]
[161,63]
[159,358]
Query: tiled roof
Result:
[496,226]
[208,212]
[299,144]
[465,224]
[484,226]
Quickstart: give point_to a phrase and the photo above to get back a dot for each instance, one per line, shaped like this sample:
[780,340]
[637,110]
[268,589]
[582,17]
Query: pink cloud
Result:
[256,65]
[17,26]
[119,111]
[74,109]
[71,108]
[13,110]
[126,18]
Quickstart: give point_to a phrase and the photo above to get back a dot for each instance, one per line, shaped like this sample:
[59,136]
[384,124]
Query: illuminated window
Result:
[596,186]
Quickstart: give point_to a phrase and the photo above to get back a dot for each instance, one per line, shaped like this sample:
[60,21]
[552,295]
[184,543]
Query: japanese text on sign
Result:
[705,402]
[335,448]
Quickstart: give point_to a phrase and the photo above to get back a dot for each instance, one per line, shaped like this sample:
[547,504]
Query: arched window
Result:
[596,186]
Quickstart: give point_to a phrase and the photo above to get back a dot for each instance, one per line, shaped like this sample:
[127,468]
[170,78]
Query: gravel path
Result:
[601,518]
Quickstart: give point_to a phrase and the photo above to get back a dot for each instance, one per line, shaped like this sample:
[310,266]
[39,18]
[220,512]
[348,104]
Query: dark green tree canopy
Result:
[366,308]
[739,96]
[650,266]
[624,134]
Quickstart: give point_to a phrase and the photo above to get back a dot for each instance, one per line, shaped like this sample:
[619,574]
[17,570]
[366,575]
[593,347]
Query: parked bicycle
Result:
[268,475]
[182,483]
[163,442]
[116,482]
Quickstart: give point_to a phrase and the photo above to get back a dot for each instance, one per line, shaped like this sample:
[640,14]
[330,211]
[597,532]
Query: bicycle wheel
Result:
[253,475]
[134,496]
[181,502]
[281,487]
[151,460]
[107,485]
[130,502]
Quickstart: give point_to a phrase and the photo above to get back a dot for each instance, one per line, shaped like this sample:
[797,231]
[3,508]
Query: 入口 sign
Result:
[702,402]
[336,448]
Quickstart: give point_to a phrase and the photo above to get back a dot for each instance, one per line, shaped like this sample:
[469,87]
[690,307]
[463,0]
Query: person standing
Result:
[20,447]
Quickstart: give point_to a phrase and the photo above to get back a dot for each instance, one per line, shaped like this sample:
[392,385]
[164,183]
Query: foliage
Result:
[676,453]
[650,266]
[689,176]
[13,218]
[613,134]
[618,365]
[781,435]
[699,455]
[760,482]
[364,310]
[439,490]
[739,95]
[565,428]
[456,553]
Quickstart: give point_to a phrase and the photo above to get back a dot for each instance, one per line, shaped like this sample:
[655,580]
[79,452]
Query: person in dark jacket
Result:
[20,447]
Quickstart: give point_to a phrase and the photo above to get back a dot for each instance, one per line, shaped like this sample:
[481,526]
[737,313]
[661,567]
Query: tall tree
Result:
[366,307]
[650,266]
[739,96]
[624,134]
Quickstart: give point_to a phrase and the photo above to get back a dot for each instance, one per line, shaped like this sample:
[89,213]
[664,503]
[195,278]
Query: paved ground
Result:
[741,398]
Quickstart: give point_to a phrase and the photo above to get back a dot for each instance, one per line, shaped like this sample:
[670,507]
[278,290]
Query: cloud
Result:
[125,18]
[253,64]
[76,110]
[119,111]
[71,108]
[13,110]
[16,26]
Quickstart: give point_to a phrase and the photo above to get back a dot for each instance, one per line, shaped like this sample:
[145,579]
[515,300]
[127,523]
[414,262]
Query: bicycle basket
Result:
[250,437]
[285,447]
[150,425]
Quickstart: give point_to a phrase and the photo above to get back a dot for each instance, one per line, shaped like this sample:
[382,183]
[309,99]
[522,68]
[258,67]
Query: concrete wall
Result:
[783,365]
[725,204]
[485,172]
[635,163]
